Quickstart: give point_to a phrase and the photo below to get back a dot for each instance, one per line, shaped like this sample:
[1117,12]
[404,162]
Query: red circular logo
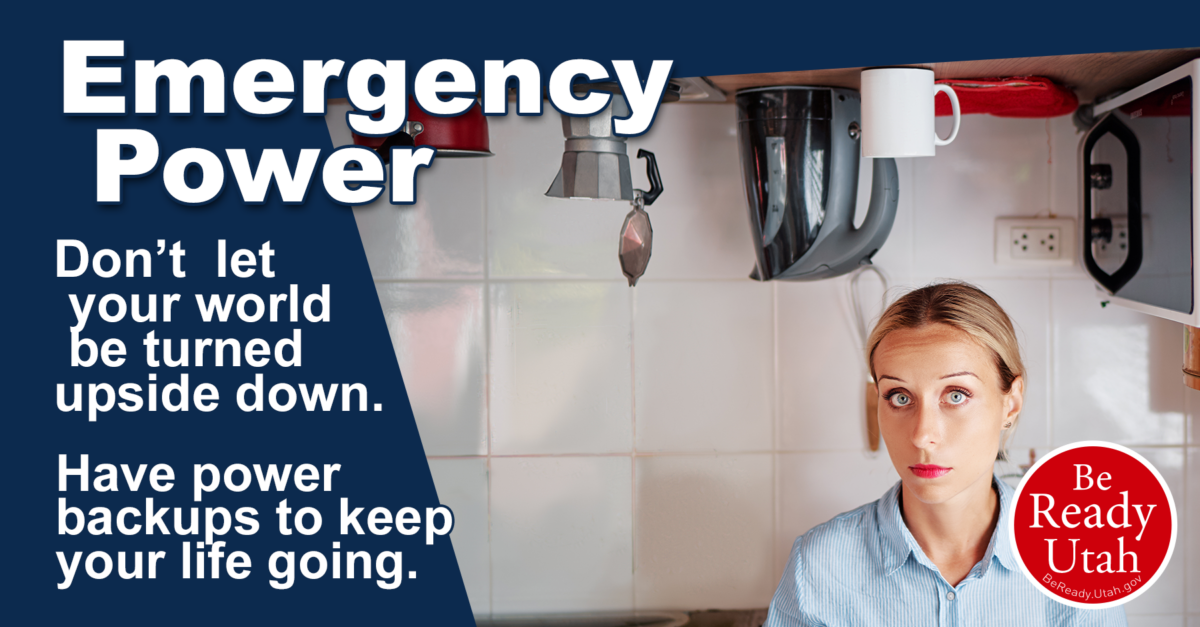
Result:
[1093,524]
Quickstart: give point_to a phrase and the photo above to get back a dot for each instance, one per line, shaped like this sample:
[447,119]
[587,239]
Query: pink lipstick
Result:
[928,471]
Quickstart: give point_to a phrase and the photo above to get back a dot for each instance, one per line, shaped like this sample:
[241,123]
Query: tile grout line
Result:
[565,279]
[1188,552]
[1049,169]
[1051,351]
[776,426]
[644,454]
[912,225]
[1191,551]
[1051,364]
[1187,418]
[633,543]
[661,281]
[487,383]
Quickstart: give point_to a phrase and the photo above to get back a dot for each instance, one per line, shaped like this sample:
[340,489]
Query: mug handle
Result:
[946,89]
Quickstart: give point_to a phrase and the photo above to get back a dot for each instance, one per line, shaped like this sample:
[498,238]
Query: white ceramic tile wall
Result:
[699,232]
[1166,596]
[530,235]
[661,447]
[462,485]
[703,529]
[703,352]
[438,237]
[1190,539]
[437,331]
[994,168]
[560,368]
[851,478]
[562,534]
[1191,403]
[1157,620]
[1116,372]
[821,370]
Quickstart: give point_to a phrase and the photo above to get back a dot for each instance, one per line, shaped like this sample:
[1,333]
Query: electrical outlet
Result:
[1035,241]
[1116,249]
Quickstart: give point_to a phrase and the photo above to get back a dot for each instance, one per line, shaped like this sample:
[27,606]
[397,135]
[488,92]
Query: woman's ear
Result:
[1013,401]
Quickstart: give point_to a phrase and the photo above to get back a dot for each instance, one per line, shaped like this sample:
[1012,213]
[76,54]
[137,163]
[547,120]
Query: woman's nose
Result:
[927,432]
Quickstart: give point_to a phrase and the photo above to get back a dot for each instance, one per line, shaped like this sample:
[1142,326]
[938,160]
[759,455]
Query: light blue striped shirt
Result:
[865,568]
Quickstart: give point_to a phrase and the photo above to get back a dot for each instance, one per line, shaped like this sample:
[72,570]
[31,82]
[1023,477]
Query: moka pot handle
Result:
[656,186]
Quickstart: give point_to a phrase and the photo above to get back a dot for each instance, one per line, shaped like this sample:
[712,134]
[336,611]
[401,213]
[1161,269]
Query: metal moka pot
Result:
[595,165]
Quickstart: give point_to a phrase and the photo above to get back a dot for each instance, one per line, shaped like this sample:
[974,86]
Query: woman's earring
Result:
[1007,425]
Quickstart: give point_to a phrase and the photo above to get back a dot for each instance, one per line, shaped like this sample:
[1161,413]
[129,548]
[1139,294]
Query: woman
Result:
[933,550]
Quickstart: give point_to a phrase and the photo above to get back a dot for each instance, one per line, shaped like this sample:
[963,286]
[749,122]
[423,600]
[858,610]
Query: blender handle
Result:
[656,186]
[881,212]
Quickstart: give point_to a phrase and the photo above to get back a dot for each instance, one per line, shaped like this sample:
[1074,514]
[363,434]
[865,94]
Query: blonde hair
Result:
[968,309]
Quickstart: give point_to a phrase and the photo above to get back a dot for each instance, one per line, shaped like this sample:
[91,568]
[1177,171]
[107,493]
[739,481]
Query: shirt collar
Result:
[1001,546]
[894,548]
[897,542]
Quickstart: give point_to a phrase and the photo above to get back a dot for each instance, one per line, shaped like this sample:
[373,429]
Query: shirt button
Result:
[950,596]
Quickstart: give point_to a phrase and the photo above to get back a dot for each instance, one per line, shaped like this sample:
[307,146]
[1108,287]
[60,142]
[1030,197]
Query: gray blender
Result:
[800,153]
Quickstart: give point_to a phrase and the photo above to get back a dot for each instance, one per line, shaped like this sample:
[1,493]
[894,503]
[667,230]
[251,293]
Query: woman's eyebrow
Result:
[959,374]
[888,376]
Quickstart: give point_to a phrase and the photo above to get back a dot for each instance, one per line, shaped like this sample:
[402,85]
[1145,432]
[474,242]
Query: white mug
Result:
[897,113]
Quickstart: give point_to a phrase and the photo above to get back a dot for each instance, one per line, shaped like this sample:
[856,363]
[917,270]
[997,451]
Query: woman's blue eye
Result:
[900,399]
[957,398]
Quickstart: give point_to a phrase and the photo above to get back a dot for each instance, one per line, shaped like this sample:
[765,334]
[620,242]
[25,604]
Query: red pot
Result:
[463,135]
